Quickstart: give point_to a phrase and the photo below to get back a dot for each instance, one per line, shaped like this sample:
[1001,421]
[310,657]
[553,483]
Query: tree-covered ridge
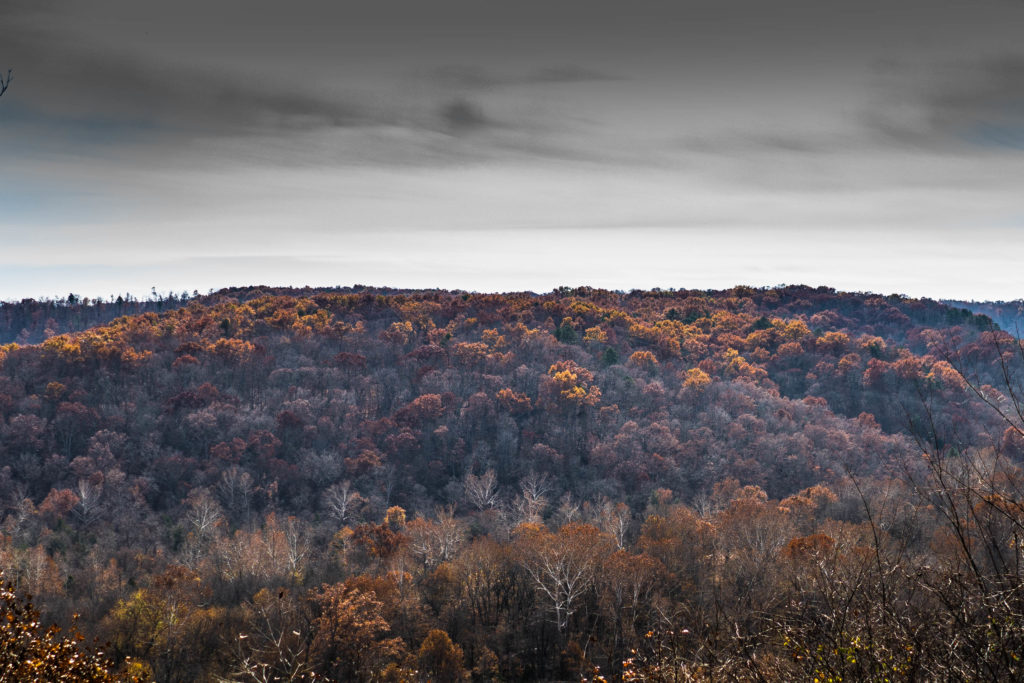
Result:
[285,459]
[31,321]
[366,374]
[1009,315]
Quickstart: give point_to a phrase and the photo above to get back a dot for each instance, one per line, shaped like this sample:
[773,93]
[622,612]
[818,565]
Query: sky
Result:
[874,146]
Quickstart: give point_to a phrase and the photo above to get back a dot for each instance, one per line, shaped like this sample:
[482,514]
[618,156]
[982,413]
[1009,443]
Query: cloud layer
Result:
[260,130]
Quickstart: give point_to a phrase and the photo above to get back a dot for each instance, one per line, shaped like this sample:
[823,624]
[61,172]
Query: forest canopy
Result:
[365,484]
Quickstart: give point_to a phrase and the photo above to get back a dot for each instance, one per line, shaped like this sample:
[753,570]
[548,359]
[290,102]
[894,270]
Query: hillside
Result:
[1009,315]
[31,321]
[372,449]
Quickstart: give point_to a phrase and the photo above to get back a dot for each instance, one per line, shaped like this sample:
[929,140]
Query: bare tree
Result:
[481,491]
[5,83]
[530,506]
[613,519]
[436,541]
[236,490]
[204,513]
[275,644]
[88,508]
[339,501]
[563,565]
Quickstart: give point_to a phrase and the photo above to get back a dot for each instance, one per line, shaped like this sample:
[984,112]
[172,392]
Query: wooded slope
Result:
[159,447]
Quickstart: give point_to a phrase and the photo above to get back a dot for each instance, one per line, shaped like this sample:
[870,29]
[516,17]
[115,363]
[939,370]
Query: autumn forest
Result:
[364,484]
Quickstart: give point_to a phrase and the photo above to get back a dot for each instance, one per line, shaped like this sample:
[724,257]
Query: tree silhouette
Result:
[5,83]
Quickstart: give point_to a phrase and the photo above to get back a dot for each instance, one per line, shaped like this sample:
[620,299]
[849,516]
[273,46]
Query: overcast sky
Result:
[875,145]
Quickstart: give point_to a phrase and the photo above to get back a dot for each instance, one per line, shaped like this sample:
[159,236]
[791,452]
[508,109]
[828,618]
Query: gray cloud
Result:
[987,107]
[568,74]
[767,143]
[466,77]
[463,116]
[463,77]
[77,94]
[969,105]
[76,82]
[296,123]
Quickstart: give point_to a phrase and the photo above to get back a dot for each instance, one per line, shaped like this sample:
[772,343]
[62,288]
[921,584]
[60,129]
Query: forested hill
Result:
[30,321]
[518,382]
[1009,315]
[194,439]
[607,393]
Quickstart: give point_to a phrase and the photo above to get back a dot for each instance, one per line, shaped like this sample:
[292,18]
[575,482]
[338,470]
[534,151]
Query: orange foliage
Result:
[644,360]
[573,384]
[514,402]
